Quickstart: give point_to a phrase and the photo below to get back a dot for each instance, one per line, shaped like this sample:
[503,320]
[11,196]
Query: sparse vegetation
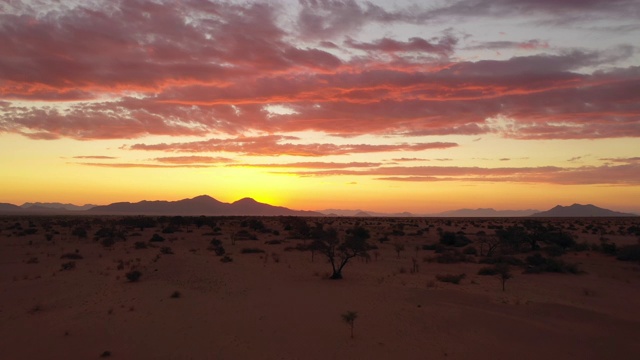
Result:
[166,250]
[350,318]
[340,252]
[68,266]
[133,276]
[251,251]
[450,278]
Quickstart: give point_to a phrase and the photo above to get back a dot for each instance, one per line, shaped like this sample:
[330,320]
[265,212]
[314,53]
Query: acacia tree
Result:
[340,252]
[350,318]
[504,273]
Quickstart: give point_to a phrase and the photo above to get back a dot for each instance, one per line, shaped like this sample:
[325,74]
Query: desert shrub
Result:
[175,295]
[251,251]
[170,229]
[449,238]
[554,250]
[536,260]
[244,235]
[539,264]
[470,250]
[562,239]
[433,247]
[79,232]
[451,257]
[505,259]
[226,259]
[166,250]
[108,242]
[219,251]
[583,246]
[215,243]
[608,248]
[298,247]
[629,253]
[273,242]
[72,256]
[68,265]
[450,278]
[140,245]
[156,238]
[133,275]
[488,270]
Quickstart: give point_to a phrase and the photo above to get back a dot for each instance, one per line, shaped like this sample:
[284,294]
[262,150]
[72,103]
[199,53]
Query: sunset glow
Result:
[388,106]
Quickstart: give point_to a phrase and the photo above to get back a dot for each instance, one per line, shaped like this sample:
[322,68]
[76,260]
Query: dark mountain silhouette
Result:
[363,213]
[577,210]
[488,212]
[55,205]
[9,208]
[200,205]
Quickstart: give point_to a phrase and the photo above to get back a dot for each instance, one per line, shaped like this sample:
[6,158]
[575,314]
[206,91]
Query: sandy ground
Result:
[258,308]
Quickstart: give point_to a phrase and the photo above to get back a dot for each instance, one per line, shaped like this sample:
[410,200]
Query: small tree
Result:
[398,247]
[503,272]
[340,252]
[350,318]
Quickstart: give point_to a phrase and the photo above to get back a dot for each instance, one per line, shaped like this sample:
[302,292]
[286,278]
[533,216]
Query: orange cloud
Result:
[272,145]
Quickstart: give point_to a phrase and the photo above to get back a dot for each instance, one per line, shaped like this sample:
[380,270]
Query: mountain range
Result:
[577,210]
[206,205]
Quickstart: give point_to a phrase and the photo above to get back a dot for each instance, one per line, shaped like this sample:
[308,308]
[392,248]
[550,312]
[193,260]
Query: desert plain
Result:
[67,289]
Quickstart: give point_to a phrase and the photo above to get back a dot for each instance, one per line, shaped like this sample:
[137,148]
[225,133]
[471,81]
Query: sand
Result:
[258,308]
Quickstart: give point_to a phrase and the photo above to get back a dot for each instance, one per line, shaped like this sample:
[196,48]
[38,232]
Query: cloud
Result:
[409,159]
[631,160]
[141,165]
[274,145]
[95,157]
[312,165]
[586,175]
[132,69]
[533,44]
[443,46]
[184,160]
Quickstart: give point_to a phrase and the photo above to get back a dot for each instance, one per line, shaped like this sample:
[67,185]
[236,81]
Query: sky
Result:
[390,106]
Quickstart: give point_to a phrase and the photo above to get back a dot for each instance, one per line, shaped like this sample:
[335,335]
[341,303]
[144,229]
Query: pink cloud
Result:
[95,157]
[273,145]
[586,175]
[201,68]
[184,160]
[140,165]
[312,165]
[443,46]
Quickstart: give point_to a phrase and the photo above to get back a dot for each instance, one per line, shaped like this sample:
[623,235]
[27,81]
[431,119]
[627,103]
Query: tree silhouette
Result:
[350,318]
[504,273]
[340,252]
[398,247]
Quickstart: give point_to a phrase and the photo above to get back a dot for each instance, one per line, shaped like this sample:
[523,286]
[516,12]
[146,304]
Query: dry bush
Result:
[450,278]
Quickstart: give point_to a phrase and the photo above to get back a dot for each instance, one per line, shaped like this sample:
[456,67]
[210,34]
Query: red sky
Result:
[420,106]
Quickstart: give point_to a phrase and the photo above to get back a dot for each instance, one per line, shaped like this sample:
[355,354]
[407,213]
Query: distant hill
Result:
[200,205]
[362,213]
[577,210]
[9,208]
[58,206]
[487,212]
